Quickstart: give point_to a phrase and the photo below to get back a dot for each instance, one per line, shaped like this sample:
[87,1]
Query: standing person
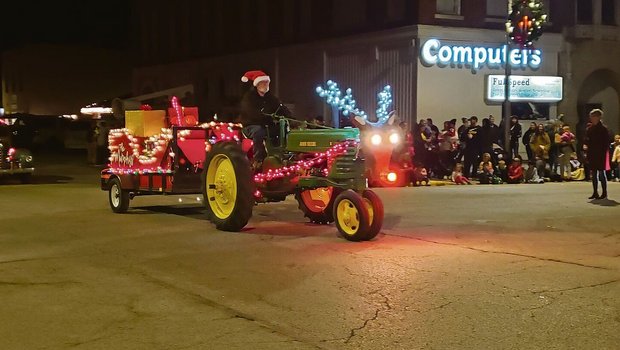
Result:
[420,145]
[615,159]
[464,125]
[433,127]
[555,132]
[459,132]
[448,147]
[527,138]
[255,104]
[566,147]
[495,130]
[596,144]
[515,135]
[471,152]
[540,144]
[486,137]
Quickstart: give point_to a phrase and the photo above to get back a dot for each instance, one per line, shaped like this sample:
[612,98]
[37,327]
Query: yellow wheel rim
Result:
[348,217]
[368,205]
[317,199]
[221,186]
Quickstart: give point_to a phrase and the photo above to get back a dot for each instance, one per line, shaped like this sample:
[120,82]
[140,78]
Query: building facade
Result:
[365,45]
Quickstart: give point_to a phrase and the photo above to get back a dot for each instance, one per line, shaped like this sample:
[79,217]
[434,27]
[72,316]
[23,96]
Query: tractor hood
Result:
[319,140]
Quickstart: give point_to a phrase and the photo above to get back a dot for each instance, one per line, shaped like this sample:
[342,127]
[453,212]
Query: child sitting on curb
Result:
[515,171]
[457,175]
[531,174]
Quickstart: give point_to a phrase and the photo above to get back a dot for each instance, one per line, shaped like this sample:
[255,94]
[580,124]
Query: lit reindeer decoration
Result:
[388,159]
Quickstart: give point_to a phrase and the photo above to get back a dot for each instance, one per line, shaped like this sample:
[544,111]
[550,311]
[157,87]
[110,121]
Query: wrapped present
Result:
[145,123]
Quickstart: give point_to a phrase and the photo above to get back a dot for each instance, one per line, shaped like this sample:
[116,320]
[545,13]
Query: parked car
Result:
[16,162]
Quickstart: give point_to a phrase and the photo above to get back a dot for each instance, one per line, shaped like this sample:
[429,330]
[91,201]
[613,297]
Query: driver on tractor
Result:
[256,105]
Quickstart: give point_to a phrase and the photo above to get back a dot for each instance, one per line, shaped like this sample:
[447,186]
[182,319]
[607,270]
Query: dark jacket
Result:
[527,137]
[515,133]
[254,107]
[597,140]
[472,145]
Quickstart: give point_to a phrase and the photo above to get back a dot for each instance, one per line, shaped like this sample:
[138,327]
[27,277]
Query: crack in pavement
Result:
[25,284]
[29,259]
[386,307]
[501,252]
[227,309]
[576,288]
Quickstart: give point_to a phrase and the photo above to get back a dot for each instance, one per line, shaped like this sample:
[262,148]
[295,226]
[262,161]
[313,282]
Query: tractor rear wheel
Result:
[318,204]
[228,187]
[374,205]
[351,215]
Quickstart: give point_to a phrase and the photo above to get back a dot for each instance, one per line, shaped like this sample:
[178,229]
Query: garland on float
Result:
[158,145]
[526,21]
[326,157]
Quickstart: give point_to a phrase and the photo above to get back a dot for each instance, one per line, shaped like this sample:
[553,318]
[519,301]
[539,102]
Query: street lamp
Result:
[524,26]
[506,107]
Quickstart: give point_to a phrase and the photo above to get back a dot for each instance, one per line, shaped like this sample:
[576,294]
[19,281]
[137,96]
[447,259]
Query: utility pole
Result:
[506,107]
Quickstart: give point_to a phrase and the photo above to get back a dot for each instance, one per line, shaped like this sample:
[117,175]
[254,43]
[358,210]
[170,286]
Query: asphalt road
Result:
[455,267]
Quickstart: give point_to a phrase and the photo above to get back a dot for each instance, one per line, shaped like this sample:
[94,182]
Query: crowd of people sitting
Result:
[474,152]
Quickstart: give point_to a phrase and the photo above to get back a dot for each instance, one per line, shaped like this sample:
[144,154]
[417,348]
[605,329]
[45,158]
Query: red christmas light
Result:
[323,159]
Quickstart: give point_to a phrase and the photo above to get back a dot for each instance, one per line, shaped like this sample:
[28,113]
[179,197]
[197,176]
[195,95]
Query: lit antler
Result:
[346,104]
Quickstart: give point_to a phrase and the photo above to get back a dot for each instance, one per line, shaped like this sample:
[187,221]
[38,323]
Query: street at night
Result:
[310,174]
[468,267]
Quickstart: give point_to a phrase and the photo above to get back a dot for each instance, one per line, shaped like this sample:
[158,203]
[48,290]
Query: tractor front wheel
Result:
[374,205]
[228,187]
[318,204]
[351,216]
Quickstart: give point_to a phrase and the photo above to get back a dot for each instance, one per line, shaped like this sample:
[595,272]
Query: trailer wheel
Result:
[318,204]
[374,205]
[351,216]
[228,187]
[119,198]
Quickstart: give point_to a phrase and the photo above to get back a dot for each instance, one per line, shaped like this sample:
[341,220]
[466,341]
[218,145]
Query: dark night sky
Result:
[89,23]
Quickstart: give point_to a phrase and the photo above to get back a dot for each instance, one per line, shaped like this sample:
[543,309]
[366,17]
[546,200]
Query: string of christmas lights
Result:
[178,110]
[347,104]
[139,160]
[323,158]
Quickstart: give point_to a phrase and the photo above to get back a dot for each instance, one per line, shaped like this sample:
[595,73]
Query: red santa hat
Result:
[256,76]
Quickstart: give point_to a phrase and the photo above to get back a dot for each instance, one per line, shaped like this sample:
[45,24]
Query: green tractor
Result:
[323,168]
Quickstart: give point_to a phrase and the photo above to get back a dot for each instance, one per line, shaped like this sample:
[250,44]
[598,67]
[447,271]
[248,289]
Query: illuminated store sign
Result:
[433,52]
[525,88]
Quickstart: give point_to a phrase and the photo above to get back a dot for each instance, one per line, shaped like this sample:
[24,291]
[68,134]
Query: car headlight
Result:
[375,139]
[394,138]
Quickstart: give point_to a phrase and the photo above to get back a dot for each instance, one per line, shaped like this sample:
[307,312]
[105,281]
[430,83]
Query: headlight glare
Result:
[394,138]
[375,139]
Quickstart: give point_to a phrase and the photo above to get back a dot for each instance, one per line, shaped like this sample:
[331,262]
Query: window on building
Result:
[497,8]
[350,14]
[449,7]
[585,12]
[608,17]
[222,87]
[396,10]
